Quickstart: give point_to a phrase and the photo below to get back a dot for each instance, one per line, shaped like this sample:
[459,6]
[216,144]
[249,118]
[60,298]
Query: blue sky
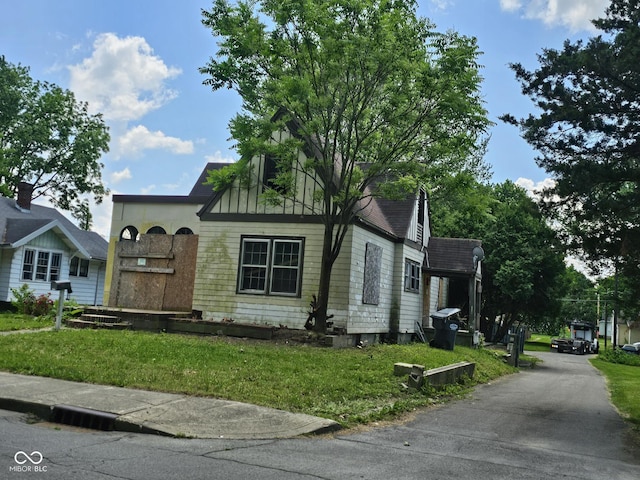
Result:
[137,61]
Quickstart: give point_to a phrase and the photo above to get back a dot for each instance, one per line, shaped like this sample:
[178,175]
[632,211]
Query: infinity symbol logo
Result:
[33,458]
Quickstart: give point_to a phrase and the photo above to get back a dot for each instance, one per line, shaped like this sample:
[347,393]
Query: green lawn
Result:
[13,321]
[538,343]
[350,386]
[624,383]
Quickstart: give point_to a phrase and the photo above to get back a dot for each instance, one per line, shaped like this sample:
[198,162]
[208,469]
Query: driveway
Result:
[554,421]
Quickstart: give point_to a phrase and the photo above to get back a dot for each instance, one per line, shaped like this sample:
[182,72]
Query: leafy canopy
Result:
[364,81]
[371,93]
[588,133]
[49,139]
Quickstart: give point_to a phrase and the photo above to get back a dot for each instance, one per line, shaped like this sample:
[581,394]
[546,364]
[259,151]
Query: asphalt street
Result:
[554,421]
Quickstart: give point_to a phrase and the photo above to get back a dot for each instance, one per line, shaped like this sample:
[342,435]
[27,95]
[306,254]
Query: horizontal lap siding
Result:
[365,318]
[410,302]
[5,269]
[217,271]
[84,288]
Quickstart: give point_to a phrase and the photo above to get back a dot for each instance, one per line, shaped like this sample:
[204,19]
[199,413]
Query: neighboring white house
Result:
[39,245]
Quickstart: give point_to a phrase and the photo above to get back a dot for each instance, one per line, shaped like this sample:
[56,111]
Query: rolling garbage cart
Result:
[446,324]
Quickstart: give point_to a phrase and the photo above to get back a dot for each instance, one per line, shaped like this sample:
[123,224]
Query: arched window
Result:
[156,230]
[184,231]
[130,233]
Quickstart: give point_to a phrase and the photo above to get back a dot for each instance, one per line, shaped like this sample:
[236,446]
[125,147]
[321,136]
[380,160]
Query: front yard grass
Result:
[538,343]
[624,385]
[351,386]
[14,321]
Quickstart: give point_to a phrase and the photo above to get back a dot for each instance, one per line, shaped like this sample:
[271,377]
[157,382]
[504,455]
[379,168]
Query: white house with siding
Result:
[39,245]
[260,264]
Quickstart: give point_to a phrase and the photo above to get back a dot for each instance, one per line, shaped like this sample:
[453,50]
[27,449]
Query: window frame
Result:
[79,267]
[270,266]
[411,276]
[43,265]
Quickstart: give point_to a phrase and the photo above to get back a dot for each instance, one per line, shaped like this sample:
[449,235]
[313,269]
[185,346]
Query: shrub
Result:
[25,302]
[619,356]
[23,299]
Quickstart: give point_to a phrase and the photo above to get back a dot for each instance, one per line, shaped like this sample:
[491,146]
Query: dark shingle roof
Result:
[390,216]
[451,255]
[16,224]
[200,189]
[198,195]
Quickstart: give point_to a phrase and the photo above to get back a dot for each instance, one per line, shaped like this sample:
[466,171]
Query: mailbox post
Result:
[61,287]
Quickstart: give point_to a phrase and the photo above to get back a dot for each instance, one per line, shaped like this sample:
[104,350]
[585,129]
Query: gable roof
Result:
[199,194]
[18,227]
[391,216]
[451,256]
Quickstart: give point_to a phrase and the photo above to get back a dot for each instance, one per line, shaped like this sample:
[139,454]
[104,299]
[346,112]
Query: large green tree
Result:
[523,269]
[48,139]
[364,81]
[587,130]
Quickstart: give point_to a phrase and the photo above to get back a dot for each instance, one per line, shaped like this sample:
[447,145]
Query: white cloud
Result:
[441,4]
[140,138]
[147,190]
[534,189]
[573,14]
[117,177]
[122,78]
[510,5]
[218,158]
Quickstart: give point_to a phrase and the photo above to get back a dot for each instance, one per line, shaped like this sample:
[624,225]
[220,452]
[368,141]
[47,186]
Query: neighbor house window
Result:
[79,267]
[270,266]
[41,265]
[411,276]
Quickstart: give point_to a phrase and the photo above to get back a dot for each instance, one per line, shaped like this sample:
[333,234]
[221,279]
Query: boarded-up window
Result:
[372,266]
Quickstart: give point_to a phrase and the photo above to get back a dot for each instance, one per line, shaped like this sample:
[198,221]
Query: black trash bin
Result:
[445,324]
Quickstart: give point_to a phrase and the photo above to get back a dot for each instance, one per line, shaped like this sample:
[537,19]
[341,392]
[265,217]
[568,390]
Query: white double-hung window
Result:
[270,266]
[41,265]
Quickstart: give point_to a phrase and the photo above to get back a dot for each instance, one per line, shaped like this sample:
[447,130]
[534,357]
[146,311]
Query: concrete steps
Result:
[92,320]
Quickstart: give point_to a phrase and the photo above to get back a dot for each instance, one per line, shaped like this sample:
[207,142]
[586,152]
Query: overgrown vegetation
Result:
[624,384]
[26,303]
[351,386]
[11,321]
[40,309]
[620,357]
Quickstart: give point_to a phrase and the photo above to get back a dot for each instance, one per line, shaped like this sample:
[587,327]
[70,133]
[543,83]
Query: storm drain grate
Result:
[83,417]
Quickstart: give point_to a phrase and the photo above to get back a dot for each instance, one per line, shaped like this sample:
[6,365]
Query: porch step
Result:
[97,317]
[90,320]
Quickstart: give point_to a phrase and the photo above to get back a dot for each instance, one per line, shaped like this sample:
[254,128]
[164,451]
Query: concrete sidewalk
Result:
[155,412]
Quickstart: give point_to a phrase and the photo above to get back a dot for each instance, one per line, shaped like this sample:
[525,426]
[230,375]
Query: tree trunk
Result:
[328,259]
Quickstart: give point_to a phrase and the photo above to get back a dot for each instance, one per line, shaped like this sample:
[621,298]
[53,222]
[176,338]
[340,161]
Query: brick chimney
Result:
[25,191]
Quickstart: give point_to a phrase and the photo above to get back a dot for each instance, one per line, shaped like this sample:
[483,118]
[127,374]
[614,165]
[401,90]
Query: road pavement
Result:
[554,421]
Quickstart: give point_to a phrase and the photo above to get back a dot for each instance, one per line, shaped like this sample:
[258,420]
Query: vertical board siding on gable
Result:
[217,272]
[366,318]
[237,199]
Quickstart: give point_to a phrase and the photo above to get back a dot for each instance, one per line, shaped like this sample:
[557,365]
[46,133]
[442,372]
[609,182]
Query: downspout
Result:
[95,295]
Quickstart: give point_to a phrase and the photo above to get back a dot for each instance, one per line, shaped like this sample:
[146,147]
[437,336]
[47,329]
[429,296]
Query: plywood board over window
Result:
[372,266]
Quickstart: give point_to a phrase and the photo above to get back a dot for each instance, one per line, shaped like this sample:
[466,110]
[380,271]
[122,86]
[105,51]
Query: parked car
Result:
[633,349]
